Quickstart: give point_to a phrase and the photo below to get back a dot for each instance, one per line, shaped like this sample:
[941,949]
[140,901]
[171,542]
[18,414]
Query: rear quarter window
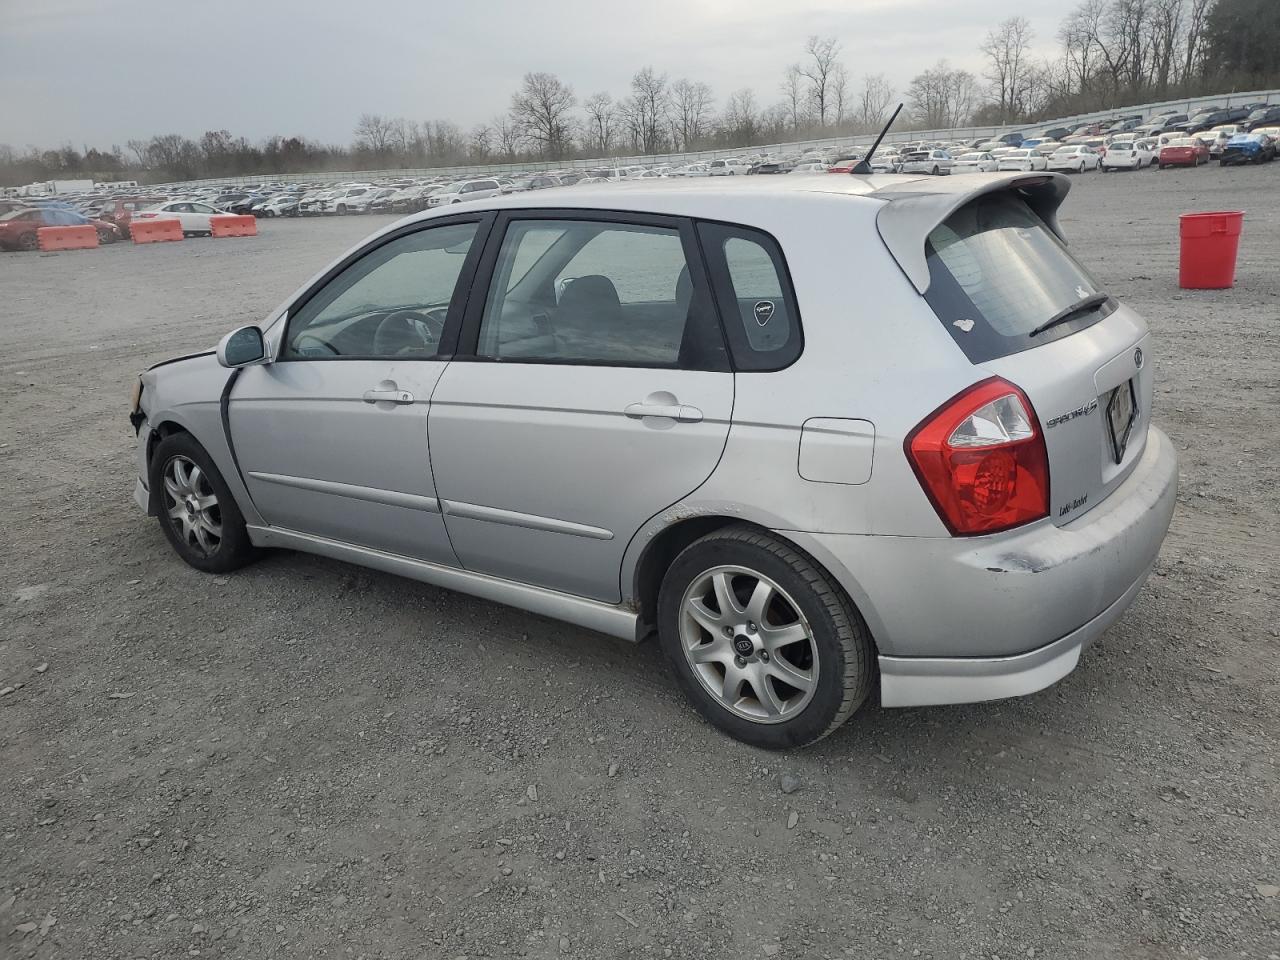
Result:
[756,299]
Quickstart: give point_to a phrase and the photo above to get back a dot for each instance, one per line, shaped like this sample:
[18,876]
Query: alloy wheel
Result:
[748,644]
[192,505]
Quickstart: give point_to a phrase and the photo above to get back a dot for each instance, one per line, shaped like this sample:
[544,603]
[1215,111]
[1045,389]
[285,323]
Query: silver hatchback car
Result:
[817,434]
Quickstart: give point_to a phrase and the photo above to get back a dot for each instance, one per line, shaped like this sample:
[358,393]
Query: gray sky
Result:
[99,72]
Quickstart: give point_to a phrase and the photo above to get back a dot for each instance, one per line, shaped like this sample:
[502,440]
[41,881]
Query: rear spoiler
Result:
[915,207]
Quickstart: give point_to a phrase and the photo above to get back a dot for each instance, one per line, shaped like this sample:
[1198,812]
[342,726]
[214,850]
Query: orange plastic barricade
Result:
[233,225]
[155,230]
[67,238]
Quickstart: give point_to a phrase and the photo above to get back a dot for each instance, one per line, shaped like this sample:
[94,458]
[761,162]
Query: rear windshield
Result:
[996,272]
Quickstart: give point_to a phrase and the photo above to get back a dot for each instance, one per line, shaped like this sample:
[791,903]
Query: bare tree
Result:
[139,149]
[481,143]
[507,136]
[602,117]
[818,69]
[839,93]
[541,109]
[942,97]
[874,101]
[690,112]
[741,118]
[1193,49]
[374,132]
[794,95]
[1008,52]
[646,110]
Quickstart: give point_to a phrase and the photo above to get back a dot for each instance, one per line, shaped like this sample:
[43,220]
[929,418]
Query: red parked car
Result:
[121,211]
[1183,152]
[18,227]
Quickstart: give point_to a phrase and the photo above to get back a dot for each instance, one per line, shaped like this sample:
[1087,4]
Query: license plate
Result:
[1122,410]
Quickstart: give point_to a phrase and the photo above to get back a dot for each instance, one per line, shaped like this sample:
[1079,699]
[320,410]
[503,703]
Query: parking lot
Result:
[306,759]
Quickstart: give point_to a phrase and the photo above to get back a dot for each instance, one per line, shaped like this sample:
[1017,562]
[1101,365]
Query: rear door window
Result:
[607,293]
[997,272]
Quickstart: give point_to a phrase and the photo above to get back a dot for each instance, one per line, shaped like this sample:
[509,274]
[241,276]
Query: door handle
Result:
[674,411]
[392,396]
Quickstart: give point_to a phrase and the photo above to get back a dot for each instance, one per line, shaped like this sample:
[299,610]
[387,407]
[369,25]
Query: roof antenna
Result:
[863,166]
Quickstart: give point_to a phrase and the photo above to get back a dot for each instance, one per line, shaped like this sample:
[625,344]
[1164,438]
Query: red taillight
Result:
[981,460]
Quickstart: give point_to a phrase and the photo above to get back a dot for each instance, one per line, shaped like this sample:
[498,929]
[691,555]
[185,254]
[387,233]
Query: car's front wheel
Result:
[762,640]
[197,512]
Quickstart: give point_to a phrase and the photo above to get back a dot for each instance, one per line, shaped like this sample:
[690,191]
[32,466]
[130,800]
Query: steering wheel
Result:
[309,345]
[408,332]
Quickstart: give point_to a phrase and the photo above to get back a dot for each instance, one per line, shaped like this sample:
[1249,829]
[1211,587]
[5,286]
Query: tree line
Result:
[1110,53]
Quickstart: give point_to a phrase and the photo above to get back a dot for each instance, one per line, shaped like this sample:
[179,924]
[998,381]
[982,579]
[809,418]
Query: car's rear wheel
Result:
[197,512]
[28,241]
[763,642]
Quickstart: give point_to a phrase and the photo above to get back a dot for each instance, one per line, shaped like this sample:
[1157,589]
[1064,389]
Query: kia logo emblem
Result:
[1137,358]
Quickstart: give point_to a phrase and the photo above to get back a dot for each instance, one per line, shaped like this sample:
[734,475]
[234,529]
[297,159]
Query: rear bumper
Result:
[960,619]
[930,681]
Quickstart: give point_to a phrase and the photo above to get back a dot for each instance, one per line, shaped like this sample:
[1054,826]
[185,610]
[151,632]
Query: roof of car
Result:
[911,205]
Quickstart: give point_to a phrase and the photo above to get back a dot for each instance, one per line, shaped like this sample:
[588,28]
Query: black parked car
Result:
[1265,116]
[245,204]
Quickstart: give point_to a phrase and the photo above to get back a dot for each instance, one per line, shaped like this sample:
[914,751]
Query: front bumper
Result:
[965,619]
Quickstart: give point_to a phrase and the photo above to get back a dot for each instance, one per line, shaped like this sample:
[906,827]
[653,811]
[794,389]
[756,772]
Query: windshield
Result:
[996,272]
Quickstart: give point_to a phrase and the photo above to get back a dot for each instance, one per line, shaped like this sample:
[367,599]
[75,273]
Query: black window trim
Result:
[468,343]
[457,303]
[722,288]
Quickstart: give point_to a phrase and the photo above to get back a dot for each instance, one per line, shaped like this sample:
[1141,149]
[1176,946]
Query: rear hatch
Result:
[1021,307]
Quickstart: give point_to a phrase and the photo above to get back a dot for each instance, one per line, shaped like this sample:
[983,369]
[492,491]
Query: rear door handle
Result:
[674,411]
[393,396]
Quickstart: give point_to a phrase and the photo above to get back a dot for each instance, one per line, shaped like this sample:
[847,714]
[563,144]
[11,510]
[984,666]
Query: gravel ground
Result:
[305,759]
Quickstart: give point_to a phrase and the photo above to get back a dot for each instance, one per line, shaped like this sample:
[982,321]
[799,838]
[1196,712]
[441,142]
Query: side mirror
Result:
[242,348]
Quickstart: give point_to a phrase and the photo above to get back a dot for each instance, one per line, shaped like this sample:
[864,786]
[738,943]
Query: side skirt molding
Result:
[610,619]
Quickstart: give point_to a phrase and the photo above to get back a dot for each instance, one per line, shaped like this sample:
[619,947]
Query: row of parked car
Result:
[1246,134]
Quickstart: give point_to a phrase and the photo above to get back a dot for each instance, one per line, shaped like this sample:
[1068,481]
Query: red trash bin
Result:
[1209,244]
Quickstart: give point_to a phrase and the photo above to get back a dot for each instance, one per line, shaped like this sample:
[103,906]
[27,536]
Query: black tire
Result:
[342,209]
[934,171]
[840,639]
[233,549]
[28,241]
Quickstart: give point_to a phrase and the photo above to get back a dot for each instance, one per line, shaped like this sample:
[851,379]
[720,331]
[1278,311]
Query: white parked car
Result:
[1076,158]
[727,168]
[809,167]
[1047,147]
[933,162]
[464,190]
[192,214]
[1024,160]
[976,161]
[349,199]
[1217,137]
[1129,155]
[692,170]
